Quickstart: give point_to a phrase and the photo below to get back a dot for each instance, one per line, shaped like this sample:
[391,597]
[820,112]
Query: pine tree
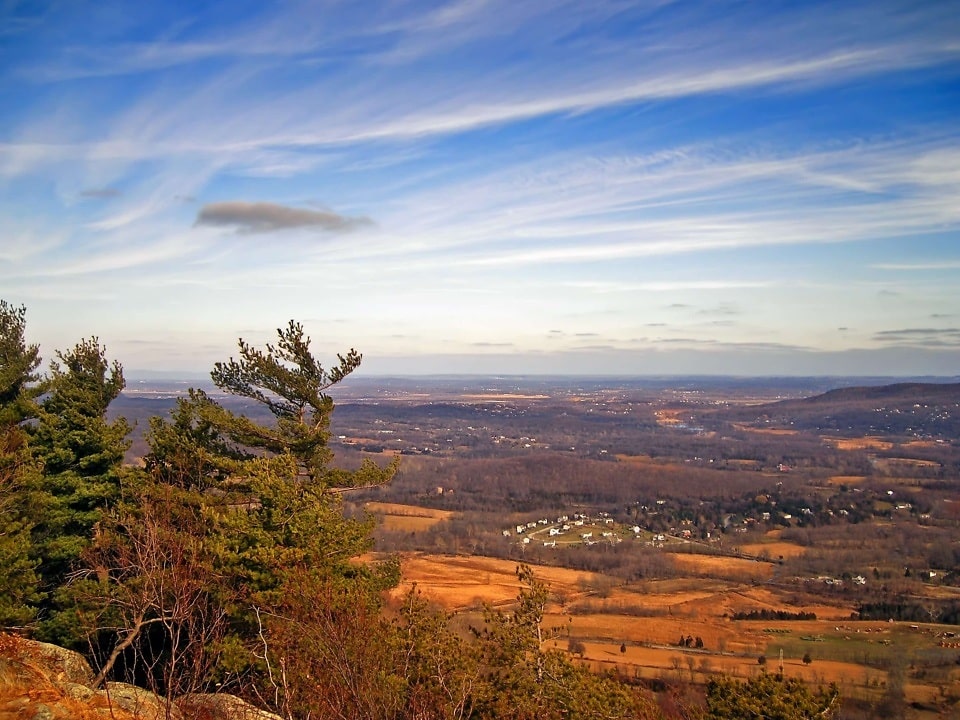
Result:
[206,443]
[18,366]
[18,387]
[292,384]
[80,455]
[769,697]
[272,525]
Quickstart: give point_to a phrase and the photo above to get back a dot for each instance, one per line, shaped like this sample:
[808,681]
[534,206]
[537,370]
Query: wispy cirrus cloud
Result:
[100,193]
[664,59]
[918,267]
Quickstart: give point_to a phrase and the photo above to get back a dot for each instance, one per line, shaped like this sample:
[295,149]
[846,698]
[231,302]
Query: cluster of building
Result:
[579,527]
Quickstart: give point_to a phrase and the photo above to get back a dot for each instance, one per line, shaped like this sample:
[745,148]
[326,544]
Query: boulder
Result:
[218,706]
[39,681]
[140,703]
[28,692]
[57,664]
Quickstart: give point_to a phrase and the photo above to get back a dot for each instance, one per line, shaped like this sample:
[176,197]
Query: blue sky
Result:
[488,186]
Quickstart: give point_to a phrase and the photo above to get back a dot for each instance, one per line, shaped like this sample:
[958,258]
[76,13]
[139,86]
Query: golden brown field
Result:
[650,617]
[406,518]
[715,565]
[864,443]
[637,459]
[891,464]
[774,549]
[460,582]
[846,479]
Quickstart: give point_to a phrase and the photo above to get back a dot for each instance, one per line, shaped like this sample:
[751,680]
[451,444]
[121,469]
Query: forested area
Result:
[225,562]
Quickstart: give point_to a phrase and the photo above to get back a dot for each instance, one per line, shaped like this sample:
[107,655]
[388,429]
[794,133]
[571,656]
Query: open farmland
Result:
[721,566]
[636,628]
[772,547]
[406,518]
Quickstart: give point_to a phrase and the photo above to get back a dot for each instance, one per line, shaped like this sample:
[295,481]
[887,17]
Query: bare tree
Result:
[149,584]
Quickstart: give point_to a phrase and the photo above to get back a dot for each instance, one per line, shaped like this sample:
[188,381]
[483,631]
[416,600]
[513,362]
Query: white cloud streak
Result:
[918,267]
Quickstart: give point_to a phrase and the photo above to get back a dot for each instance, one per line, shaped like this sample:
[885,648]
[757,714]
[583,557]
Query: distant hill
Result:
[897,393]
[913,409]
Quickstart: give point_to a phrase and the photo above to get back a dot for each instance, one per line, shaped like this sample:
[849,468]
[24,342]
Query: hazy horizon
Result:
[136,375]
[480,186]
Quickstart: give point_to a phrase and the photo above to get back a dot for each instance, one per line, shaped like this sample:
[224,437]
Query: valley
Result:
[685,528]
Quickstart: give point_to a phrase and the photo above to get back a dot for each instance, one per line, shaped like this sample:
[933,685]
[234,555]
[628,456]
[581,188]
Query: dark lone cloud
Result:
[101,193]
[263,217]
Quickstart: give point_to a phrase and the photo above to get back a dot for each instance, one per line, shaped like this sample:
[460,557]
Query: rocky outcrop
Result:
[39,681]
[59,664]
[215,706]
[140,703]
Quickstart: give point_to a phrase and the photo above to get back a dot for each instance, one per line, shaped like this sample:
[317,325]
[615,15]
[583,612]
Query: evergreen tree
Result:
[205,443]
[18,366]
[80,455]
[272,524]
[18,387]
[292,385]
[18,579]
[769,697]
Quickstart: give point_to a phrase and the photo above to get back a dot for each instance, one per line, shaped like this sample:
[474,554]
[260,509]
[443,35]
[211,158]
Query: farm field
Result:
[459,582]
[863,443]
[406,518]
[773,547]
[635,628]
[712,565]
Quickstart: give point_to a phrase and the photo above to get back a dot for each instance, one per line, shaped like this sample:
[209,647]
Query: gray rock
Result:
[218,706]
[142,703]
[61,665]
[77,691]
